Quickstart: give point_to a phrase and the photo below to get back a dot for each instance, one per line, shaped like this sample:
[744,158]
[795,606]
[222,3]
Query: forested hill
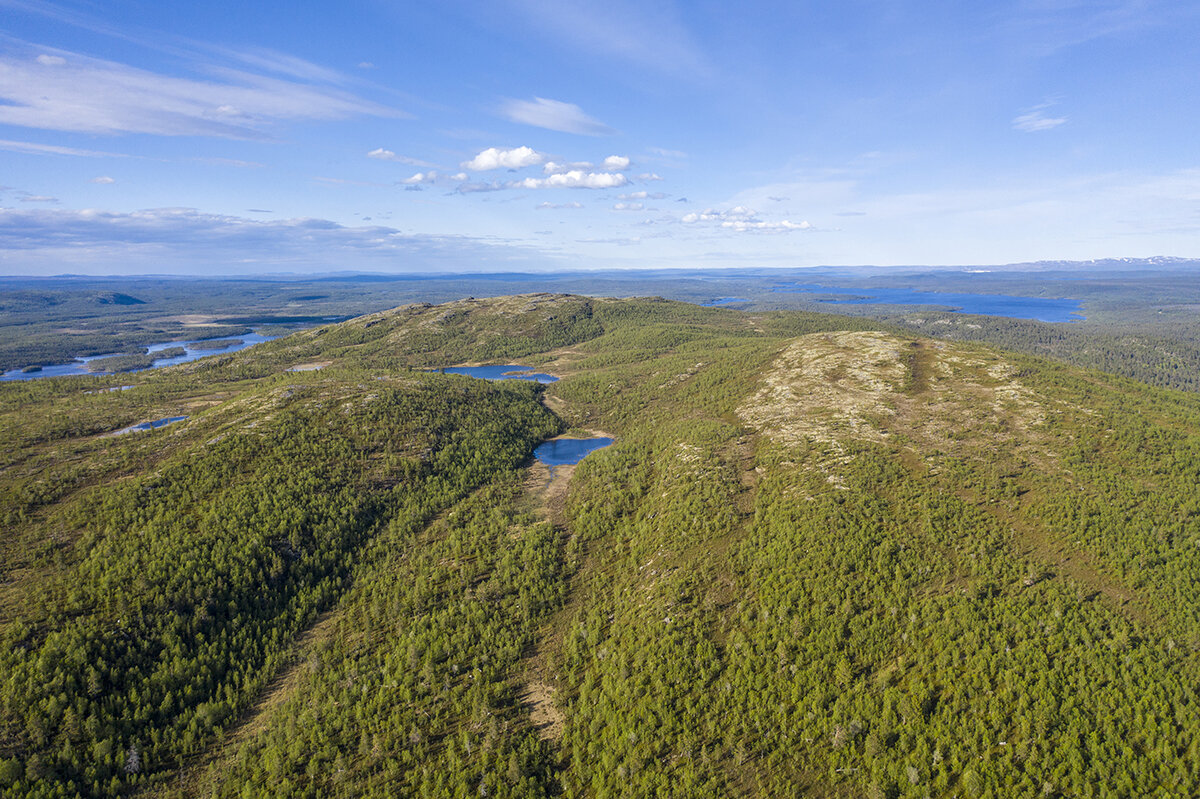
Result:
[824,558]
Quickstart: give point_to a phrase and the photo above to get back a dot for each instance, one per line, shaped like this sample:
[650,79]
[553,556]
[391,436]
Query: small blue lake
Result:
[79,368]
[723,301]
[568,451]
[157,423]
[501,372]
[1043,309]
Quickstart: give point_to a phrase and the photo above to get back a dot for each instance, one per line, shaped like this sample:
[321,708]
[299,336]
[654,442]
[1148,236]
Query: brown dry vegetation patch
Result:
[929,402]
[311,366]
[876,387]
[546,492]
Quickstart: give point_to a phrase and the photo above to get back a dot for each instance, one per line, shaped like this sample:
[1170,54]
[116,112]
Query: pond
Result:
[1043,309]
[569,451]
[500,372]
[192,350]
[722,301]
[157,423]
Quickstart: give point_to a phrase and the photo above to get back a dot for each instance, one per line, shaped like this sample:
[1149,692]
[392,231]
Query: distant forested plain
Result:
[828,555]
[1141,318]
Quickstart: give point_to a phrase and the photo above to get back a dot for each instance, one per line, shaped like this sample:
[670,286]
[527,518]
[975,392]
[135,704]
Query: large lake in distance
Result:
[193,352]
[1043,309]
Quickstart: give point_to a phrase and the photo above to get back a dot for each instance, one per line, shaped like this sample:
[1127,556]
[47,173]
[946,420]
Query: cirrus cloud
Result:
[383,154]
[554,115]
[100,242]
[1035,120]
[71,92]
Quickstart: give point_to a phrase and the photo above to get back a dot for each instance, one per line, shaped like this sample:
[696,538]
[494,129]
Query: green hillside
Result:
[825,557]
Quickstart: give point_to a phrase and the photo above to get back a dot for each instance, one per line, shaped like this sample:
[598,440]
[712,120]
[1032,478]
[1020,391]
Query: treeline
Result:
[1166,355]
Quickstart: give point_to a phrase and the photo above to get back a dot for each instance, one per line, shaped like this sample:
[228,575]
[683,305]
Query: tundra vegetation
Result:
[827,556]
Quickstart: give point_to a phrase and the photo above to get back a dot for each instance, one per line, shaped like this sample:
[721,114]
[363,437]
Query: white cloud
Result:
[365,65]
[103,180]
[1034,120]
[629,207]
[495,158]
[37,198]
[382,154]
[781,225]
[554,115]
[664,153]
[51,60]
[557,206]
[575,179]
[91,95]
[554,166]
[421,177]
[643,195]
[616,163]
[30,148]
[647,176]
[742,219]
[283,64]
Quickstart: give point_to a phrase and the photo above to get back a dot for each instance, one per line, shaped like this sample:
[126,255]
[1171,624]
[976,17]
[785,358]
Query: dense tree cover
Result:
[989,604]
[415,693]
[183,589]
[1165,354]
[871,624]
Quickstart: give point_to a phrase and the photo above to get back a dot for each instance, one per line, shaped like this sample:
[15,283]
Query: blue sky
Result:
[227,138]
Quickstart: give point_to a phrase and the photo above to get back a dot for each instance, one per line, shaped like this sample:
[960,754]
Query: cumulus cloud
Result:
[1035,120]
[749,224]
[554,115]
[433,176]
[43,240]
[421,177]
[547,206]
[103,179]
[495,158]
[616,163]
[647,176]
[742,219]
[574,179]
[629,207]
[643,195]
[71,92]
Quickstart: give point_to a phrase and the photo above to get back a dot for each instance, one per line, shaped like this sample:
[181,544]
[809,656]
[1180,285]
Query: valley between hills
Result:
[825,556]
